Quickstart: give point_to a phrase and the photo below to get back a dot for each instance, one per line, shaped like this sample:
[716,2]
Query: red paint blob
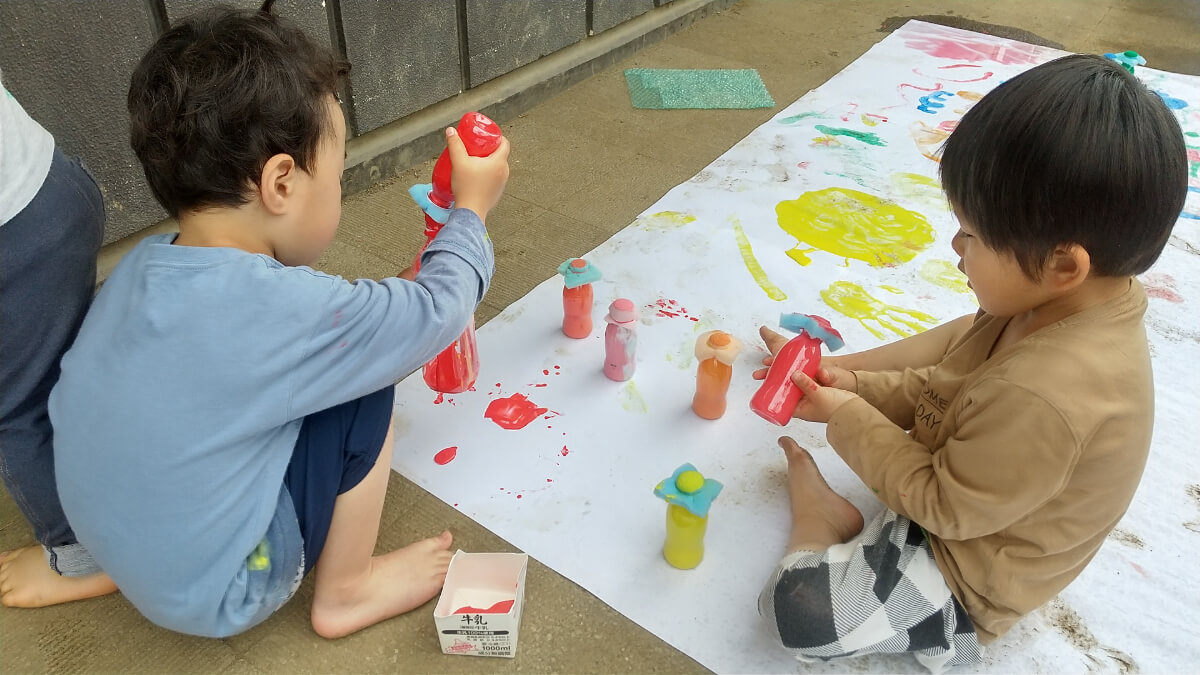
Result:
[446,455]
[545,371]
[502,607]
[441,398]
[519,496]
[565,451]
[513,412]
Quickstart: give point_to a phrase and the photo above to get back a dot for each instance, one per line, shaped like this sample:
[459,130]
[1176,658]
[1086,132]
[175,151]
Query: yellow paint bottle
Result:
[688,495]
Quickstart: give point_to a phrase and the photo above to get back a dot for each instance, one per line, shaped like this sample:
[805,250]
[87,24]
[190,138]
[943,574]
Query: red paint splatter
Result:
[802,165]
[557,367]
[441,398]
[881,118]
[1140,569]
[1193,155]
[904,97]
[957,45]
[948,125]
[670,309]
[853,107]
[565,451]
[513,412]
[456,503]
[549,480]
[446,455]
[538,386]
[981,78]
[519,496]
[1161,286]
[343,345]
[545,371]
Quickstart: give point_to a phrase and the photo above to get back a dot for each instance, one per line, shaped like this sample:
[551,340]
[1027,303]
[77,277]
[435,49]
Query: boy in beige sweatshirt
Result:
[1008,444]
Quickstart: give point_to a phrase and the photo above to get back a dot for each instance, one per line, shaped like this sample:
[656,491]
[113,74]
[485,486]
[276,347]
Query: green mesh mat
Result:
[663,89]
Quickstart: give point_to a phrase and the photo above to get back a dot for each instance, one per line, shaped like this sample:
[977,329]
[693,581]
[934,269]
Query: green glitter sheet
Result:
[670,89]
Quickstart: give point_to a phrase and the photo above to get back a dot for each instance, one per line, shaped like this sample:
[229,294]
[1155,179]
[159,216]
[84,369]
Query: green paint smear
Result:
[796,118]
[1193,134]
[865,137]
[633,401]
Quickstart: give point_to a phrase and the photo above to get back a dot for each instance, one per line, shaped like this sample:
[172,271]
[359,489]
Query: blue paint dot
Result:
[1172,102]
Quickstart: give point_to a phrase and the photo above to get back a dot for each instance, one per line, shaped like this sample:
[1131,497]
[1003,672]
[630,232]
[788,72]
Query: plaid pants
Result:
[881,592]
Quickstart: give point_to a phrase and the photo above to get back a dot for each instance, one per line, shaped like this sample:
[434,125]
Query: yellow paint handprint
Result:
[850,299]
[853,224]
[943,273]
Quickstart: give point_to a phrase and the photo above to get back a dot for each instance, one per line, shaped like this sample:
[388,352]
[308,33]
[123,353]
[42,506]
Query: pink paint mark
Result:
[1140,569]
[881,118]
[549,480]
[558,367]
[565,451]
[958,45]
[853,107]
[670,309]
[803,165]
[948,125]
[513,412]
[904,97]
[446,455]
[1161,286]
[519,496]
[343,345]
[943,78]
[337,318]
[1193,155]
[502,607]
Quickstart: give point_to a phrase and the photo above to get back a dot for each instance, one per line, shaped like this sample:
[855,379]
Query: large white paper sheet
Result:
[573,488]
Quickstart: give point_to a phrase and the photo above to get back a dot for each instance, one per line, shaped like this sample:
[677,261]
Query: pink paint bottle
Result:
[578,275]
[776,399]
[455,369]
[620,340]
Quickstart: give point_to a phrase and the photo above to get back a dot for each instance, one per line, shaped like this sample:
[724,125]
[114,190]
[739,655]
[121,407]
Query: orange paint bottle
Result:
[578,275]
[716,351]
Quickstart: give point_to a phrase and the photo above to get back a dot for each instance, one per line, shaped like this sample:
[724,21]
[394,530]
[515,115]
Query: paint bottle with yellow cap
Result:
[688,495]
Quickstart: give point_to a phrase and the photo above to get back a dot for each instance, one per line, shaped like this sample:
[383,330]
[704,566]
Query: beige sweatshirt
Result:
[1018,465]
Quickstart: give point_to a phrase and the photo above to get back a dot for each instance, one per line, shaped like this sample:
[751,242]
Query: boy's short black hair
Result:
[218,95]
[1074,151]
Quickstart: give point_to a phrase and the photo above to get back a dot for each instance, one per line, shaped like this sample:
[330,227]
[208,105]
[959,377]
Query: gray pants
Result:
[47,278]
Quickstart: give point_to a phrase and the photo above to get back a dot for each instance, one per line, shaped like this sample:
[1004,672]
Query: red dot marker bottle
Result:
[578,275]
[456,368]
[776,399]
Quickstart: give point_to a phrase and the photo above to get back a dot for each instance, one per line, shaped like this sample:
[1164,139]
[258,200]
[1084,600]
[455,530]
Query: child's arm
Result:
[916,351]
[1011,453]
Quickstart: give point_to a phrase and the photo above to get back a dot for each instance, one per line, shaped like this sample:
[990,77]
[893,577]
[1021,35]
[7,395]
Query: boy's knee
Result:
[802,607]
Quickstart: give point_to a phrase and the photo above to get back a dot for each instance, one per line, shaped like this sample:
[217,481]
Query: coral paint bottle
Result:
[716,352]
[776,399]
[689,496]
[455,369]
[620,340]
[578,275]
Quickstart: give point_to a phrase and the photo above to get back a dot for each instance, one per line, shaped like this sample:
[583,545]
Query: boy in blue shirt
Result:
[223,421]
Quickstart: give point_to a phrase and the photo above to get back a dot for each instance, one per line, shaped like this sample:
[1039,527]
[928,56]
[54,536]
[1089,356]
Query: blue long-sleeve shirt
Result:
[182,398]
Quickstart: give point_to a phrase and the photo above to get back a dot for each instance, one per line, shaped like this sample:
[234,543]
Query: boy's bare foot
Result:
[27,581]
[820,516]
[396,583]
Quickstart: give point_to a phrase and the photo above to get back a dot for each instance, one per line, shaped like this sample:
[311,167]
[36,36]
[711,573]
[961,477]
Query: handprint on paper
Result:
[850,299]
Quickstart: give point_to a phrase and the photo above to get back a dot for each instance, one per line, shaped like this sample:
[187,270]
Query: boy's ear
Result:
[1068,266]
[278,183]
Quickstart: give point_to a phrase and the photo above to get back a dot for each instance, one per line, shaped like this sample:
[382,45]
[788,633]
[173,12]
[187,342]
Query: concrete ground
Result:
[584,165]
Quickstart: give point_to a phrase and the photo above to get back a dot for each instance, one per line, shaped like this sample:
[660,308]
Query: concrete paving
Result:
[584,164]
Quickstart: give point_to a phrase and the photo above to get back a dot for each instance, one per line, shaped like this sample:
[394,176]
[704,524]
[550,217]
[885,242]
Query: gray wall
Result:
[68,62]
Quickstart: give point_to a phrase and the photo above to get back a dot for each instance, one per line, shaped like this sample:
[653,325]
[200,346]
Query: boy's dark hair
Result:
[218,95]
[1074,151]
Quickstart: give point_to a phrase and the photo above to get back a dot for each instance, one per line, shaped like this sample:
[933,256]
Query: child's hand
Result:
[819,403]
[477,182]
[830,374]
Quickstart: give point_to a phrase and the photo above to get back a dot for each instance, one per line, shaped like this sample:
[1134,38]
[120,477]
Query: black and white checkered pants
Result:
[881,592]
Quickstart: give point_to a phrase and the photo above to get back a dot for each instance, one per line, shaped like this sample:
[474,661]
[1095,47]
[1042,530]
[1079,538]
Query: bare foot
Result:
[396,583]
[27,581]
[820,516]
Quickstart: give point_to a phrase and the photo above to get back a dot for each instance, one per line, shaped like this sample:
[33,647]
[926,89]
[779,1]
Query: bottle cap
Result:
[719,345]
[621,312]
[686,487]
[577,272]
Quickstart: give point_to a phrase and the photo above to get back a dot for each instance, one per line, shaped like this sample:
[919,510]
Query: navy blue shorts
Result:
[336,449]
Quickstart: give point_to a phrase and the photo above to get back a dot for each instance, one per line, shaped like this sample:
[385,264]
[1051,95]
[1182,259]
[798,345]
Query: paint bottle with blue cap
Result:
[578,276]
[776,399]
[688,495]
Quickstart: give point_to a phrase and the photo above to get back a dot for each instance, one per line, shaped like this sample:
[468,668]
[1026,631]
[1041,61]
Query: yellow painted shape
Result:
[970,95]
[665,220]
[891,289]
[853,224]
[684,546]
[850,299]
[869,121]
[760,276]
[633,401]
[943,273]
[921,190]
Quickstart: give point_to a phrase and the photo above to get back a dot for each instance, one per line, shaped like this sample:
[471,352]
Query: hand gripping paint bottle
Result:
[688,495]
[455,369]
[620,340]
[776,399]
[578,275]
[716,351]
